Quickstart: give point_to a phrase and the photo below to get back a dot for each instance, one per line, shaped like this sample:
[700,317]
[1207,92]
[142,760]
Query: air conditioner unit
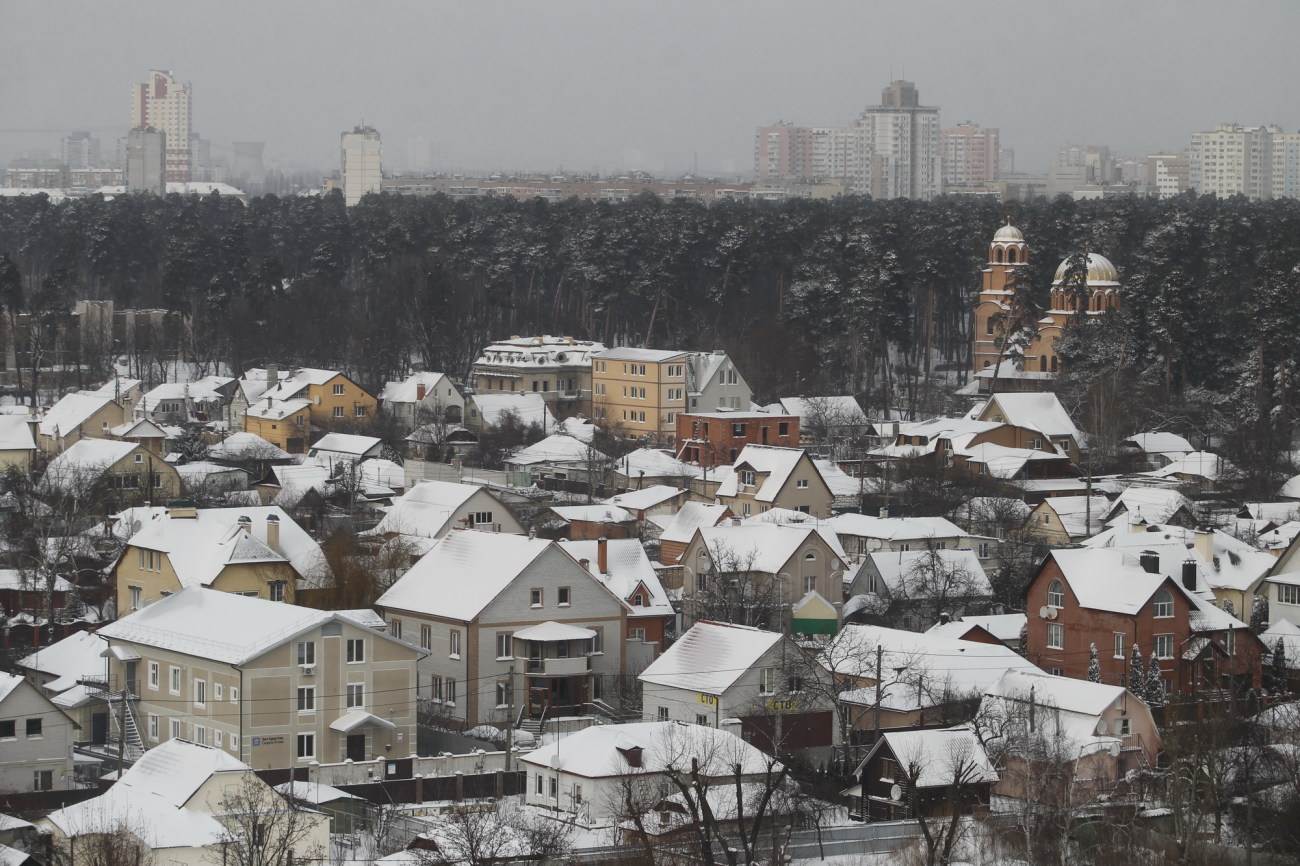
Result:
[307,670]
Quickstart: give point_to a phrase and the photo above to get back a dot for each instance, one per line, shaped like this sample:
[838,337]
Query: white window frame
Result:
[306,652]
[173,679]
[308,753]
[356,650]
[153,676]
[1162,604]
[200,692]
[1056,597]
[356,696]
[1120,647]
[306,700]
[1055,636]
[153,727]
[1163,646]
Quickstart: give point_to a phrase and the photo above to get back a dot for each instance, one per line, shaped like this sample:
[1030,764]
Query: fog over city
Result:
[663,87]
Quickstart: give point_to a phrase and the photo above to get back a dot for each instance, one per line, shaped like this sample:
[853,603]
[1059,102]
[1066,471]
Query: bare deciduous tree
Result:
[262,828]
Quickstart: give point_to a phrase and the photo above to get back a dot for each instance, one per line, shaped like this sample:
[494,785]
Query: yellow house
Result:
[16,443]
[766,477]
[284,411]
[119,473]
[638,392]
[255,551]
[76,416]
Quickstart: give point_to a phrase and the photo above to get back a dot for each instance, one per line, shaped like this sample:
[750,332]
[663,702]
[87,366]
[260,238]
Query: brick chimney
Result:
[602,555]
[272,376]
[420,390]
[273,532]
[246,524]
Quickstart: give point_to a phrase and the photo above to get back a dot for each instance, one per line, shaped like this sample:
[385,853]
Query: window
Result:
[43,780]
[139,458]
[153,675]
[435,688]
[984,549]
[200,735]
[153,727]
[234,695]
[1055,594]
[136,597]
[234,742]
[783,428]
[306,699]
[535,597]
[306,652]
[737,431]
[1163,644]
[306,746]
[538,790]
[200,693]
[395,628]
[1125,727]
[701,720]
[577,794]
[480,518]
[1121,643]
[454,645]
[1055,636]
[662,714]
[809,583]
[174,680]
[503,694]
[767,681]
[216,738]
[217,691]
[8,730]
[338,390]
[276,589]
[505,645]
[356,650]
[555,788]
[638,600]
[1047,518]
[356,695]
[426,637]
[360,411]
[156,480]
[34,727]
[1162,604]
[802,484]
[636,634]
[562,596]
[1288,593]
[1056,672]
[747,477]
[451,690]
[338,411]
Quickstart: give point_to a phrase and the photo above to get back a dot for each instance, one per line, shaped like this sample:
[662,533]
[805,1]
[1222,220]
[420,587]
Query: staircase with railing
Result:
[124,726]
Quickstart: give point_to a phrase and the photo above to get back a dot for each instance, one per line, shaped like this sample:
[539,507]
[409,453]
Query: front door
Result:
[356,747]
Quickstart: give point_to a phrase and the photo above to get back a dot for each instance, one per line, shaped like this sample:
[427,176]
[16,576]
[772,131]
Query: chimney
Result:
[1189,575]
[1150,562]
[420,390]
[585,563]
[631,754]
[272,376]
[182,509]
[273,532]
[602,555]
[945,618]
[246,524]
[884,512]
[1203,542]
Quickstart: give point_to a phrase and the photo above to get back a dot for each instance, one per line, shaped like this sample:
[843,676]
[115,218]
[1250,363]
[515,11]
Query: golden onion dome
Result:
[1008,233]
[1100,271]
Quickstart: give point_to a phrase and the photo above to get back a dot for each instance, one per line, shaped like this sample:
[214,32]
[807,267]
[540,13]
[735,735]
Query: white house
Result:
[36,739]
[423,398]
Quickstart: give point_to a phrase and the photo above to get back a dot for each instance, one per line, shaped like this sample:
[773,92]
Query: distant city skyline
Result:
[586,87]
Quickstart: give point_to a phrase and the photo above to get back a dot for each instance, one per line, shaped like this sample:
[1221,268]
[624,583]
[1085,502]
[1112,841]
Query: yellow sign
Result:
[711,700]
[787,705]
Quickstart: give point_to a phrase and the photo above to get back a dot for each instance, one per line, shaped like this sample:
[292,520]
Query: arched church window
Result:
[997,255]
[1011,255]
[1042,363]
[1056,363]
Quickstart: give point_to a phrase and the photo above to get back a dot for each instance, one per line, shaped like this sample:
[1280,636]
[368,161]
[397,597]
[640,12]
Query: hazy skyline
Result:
[614,87]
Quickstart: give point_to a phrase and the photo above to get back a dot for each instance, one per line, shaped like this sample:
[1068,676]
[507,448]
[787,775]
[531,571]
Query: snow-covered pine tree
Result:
[1155,690]
[1279,666]
[1259,614]
[1229,607]
[1136,678]
[1094,666]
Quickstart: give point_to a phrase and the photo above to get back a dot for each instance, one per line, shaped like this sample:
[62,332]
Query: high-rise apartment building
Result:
[782,152]
[362,154]
[146,160]
[1233,160]
[1286,165]
[1166,174]
[164,104]
[898,146]
[970,155]
[80,151]
[1096,160]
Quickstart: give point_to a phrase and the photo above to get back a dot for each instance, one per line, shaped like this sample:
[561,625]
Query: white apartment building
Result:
[1167,174]
[362,153]
[164,104]
[1233,160]
[1286,165]
[970,155]
[898,146]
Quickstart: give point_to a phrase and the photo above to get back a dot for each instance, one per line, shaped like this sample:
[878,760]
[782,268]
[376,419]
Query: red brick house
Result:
[1115,599]
[717,438]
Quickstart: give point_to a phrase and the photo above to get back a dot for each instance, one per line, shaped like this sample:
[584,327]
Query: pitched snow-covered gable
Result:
[426,509]
[938,758]
[558,448]
[71,412]
[711,657]
[1041,411]
[602,751]
[757,547]
[629,569]
[692,516]
[529,407]
[81,466]
[771,465]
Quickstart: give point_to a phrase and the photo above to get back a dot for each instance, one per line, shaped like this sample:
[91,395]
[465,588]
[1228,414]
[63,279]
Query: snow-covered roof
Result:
[840,482]
[198,622]
[1035,410]
[153,798]
[1068,710]
[16,433]
[843,409]
[81,465]
[1198,464]
[199,547]
[582,429]
[291,383]
[653,463]
[383,473]
[558,448]
[593,513]
[246,446]
[603,750]
[1280,537]
[629,567]
[1170,444]
[552,630]
[71,412]
[895,528]
[628,353]
[204,390]
[775,462]
[921,669]
[77,656]
[1080,516]
[296,481]
[1005,462]
[692,516]
[532,352]
[710,657]
[1006,627]
[647,497]
[529,406]
[314,792]
[760,547]
[1234,564]
[436,387]
[1155,504]
[1277,512]
[938,758]
[463,572]
[277,410]
[426,508]
[910,573]
[348,445]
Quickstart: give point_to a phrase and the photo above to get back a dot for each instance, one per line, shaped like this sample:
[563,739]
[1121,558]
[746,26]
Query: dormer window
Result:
[747,477]
[1162,604]
[1055,594]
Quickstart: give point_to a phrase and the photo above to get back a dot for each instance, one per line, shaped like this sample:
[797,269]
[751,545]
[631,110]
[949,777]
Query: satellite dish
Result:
[1101,728]
[896,794]
[1044,612]
[1051,613]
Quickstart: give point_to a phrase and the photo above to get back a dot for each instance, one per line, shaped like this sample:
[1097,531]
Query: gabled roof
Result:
[277,410]
[77,656]
[711,657]
[1234,565]
[1006,627]
[205,390]
[198,622]
[646,497]
[407,391]
[843,409]
[16,433]
[463,572]
[629,567]
[648,356]
[1156,505]
[1040,411]
[71,412]
[246,446]
[80,467]
[938,758]
[895,528]
[294,382]
[839,481]
[1198,464]
[653,463]
[1159,443]
[1080,516]
[1068,710]
[1287,632]
[199,548]
[426,508]
[692,516]
[598,513]
[907,573]
[348,444]
[758,547]
[138,428]
[602,751]
[529,406]
[774,462]
[113,387]
[556,448]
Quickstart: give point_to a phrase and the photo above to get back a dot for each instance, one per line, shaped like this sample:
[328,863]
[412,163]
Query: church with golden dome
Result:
[1008,255]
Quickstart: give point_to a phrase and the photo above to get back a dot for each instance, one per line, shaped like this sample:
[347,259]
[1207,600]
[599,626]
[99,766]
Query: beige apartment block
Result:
[638,392]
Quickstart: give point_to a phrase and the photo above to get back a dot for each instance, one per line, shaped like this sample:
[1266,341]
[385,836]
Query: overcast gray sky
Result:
[618,84]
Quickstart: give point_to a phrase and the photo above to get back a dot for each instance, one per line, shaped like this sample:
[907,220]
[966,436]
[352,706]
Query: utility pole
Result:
[121,735]
[879,686]
[510,717]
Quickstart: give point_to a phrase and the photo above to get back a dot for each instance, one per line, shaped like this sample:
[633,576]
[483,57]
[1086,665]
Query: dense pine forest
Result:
[846,296]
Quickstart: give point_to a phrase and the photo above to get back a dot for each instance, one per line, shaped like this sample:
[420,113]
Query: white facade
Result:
[35,739]
[164,104]
[362,153]
[898,146]
[1233,160]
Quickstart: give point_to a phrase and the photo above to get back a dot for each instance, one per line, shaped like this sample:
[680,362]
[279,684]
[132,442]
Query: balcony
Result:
[574,666]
